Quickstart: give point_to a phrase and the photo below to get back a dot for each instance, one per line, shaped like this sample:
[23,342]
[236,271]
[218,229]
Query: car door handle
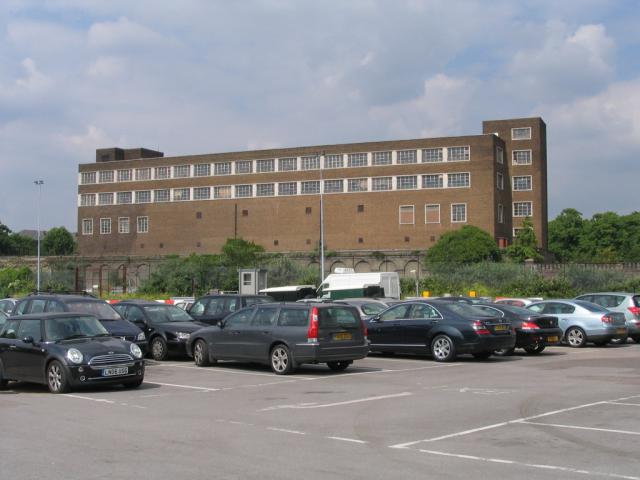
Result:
[266,332]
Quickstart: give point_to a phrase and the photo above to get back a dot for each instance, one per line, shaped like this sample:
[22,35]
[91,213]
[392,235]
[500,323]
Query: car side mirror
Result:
[28,340]
[376,319]
[222,323]
[140,323]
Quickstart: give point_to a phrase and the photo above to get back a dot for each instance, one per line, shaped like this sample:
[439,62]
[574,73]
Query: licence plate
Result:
[622,330]
[501,328]
[553,339]
[110,372]
[342,336]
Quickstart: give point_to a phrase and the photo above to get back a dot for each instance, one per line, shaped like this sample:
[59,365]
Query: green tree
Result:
[565,235]
[5,240]
[238,252]
[467,245]
[525,245]
[58,241]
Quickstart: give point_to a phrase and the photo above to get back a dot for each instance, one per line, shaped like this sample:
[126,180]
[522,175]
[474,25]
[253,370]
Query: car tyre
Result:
[576,338]
[57,380]
[201,353]
[133,384]
[281,360]
[534,349]
[482,355]
[3,382]
[339,366]
[636,338]
[505,352]
[443,349]
[158,349]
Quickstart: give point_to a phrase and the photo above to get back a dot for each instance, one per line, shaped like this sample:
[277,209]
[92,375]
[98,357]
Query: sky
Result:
[204,76]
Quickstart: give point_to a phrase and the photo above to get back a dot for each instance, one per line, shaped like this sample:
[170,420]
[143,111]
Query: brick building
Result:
[399,195]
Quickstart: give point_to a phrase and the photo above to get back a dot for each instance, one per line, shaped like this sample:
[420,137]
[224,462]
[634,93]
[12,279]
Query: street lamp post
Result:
[321,222]
[39,184]
[417,282]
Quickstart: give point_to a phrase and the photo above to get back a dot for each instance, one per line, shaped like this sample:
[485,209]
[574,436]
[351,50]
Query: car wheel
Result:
[281,361]
[482,355]
[534,349]
[3,381]
[338,366]
[576,337]
[201,353]
[443,349]
[636,339]
[504,352]
[133,384]
[158,349]
[57,378]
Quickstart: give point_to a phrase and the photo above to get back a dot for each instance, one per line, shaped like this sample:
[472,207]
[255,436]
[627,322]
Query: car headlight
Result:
[74,355]
[183,335]
[135,350]
[141,336]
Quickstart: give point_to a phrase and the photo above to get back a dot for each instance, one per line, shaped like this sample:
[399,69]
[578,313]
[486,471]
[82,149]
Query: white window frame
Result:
[139,193]
[310,162]
[466,214]
[518,163]
[467,150]
[411,157]
[244,163]
[178,169]
[334,160]
[307,183]
[520,128]
[161,173]
[513,183]
[355,160]
[122,223]
[106,173]
[500,213]
[426,206]
[413,215]
[103,223]
[290,164]
[220,192]
[530,214]
[155,195]
[500,155]
[203,170]
[269,163]
[243,186]
[88,178]
[222,168]
[124,175]
[144,220]
[284,186]
[402,185]
[88,200]
[183,190]
[452,174]
[140,176]
[122,195]
[440,177]
[429,158]
[106,194]
[390,184]
[87,222]
[357,184]
[197,193]
[499,181]
[261,194]
[333,181]
[381,158]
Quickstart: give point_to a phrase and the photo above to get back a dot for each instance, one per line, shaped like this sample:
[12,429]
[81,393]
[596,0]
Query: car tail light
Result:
[480,328]
[312,333]
[365,329]
[635,311]
[529,326]
[607,319]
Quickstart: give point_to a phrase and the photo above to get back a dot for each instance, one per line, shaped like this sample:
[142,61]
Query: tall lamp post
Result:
[39,184]
[417,282]
[322,156]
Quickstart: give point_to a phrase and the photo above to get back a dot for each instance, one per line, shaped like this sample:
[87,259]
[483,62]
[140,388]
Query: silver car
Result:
[583,322]
[626,303]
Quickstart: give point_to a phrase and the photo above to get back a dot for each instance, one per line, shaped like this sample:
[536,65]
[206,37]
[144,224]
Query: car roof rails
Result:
[82,293]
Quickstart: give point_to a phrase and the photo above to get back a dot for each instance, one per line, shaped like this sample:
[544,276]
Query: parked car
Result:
[66,350]
[284,336]
[463,299]
[166,327]
[3,318]
[7,304]
[87,304]
[534,332]
[516,302]
[367,307]
[626,303]
[443,328]
[210,309]
[583,322]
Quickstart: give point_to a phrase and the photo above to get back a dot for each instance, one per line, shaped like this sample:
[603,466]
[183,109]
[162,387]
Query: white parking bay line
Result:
[189,387]
[284,430]
[624,404]
[336,404]
[97,400]
[223,370]
[350,440]
[576,427]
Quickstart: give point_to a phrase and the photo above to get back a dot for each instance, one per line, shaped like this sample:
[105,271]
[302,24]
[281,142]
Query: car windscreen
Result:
[72,327]
[592,307]
[372,308]
[167,313]
[332,317]
[102,310]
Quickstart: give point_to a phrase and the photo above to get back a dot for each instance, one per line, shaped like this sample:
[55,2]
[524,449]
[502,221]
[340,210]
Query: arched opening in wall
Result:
[412,265]
[362,267]
[104,286]
[142,274]
[336,264]
[387,266]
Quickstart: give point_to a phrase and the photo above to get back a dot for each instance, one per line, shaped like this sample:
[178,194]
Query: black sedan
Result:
[534,332]
[442,328]
[167,327]
[66,350]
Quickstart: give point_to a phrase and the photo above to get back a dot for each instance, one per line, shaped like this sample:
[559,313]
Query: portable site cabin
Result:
[350,285]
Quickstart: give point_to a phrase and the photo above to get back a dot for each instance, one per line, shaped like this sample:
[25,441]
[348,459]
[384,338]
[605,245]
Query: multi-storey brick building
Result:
[391,195]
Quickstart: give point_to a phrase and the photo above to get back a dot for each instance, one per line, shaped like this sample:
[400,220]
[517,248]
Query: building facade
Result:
[399,195]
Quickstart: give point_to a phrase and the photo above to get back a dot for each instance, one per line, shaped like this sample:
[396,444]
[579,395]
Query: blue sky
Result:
[203,76]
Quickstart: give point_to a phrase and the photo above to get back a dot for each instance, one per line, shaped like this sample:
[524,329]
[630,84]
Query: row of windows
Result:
[124,225]
[375,184]
[519,183]
[432,213]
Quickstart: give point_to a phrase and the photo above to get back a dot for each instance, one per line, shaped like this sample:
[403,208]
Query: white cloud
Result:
[107,67]
[35,80]
[123,33]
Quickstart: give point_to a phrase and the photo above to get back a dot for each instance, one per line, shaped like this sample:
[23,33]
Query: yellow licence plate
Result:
[622,330]
[553,339]
[342,336]
[501,328]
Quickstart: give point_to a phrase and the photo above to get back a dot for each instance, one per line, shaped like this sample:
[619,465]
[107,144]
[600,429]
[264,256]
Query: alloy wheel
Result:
[441,348]
[279,359]
[575,337]
[55,377]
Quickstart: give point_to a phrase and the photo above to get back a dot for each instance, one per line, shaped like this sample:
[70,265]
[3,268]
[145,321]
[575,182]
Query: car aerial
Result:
[166,327]
[442,328]
[7,304]
[284,336]
[367,307]
[626,303]
[210,309]
[66,350]
[87,304]
[583,322]
[534,332]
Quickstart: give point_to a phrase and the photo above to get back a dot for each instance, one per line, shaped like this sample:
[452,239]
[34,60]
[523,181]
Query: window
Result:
[143,196]
[222,168]
[432,213]
[522,209]
[310,163]
[458,212]
[143,174]
[105,226]
[381,184]
[244,166]
[123,225]
[432,155]
[180,194]
[523,133]
[222,192]
[407,156]
[87,178]
[500,155]
[293,317]
[30,328]
[406,216]
[181,171]
[201,193]
[357,160]
[407,182]
[263,166]
[161,195]
[500,213]
[162,173]
[457,154]
[106,176]
[311,187]
[105,199]
[333,161]
[381,158]
[433,181]
[458,180]
[142,224]
[124,175]
[204,169]
[522,182]
[244,191]
[521,157]
[264,189]
[357,185]
[124,198]
[87,200]
[516,232]
[87,226]
[499,181]
[333,186]
[287,164]
[288,188]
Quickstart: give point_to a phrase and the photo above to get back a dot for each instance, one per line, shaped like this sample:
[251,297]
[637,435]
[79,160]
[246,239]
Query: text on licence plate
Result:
[501,328]
[553,339]
[110,372]
[342,336]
